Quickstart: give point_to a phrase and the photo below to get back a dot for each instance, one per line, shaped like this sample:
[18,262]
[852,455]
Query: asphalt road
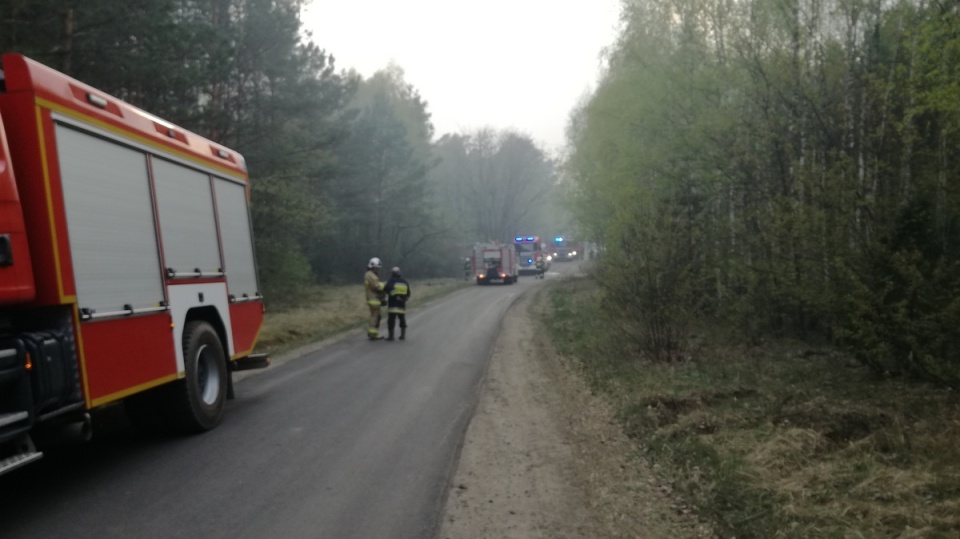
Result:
[355,440]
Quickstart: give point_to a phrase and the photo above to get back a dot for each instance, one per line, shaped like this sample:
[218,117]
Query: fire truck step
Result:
[12,417]
[16,461]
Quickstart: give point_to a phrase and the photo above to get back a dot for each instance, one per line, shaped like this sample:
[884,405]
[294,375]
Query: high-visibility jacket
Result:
[398,292]
[373,287]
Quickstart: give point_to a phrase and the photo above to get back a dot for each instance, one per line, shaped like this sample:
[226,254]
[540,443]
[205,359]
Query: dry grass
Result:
[780,440]
[322,311]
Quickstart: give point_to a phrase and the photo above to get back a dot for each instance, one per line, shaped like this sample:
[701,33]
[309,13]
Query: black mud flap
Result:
[251,362]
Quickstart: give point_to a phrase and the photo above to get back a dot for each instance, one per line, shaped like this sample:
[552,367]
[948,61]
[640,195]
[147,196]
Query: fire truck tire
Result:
[199,399]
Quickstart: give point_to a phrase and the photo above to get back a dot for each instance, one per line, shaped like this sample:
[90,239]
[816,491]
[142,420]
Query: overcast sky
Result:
[520,64]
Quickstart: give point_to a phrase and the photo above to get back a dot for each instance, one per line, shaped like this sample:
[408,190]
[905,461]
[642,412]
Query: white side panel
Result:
[184,297]
[188,227]
[110,223]
[237,241]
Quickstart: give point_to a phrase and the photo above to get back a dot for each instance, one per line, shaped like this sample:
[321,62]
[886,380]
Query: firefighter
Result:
[540,267]
[466,269]
[374,290]
[397,290]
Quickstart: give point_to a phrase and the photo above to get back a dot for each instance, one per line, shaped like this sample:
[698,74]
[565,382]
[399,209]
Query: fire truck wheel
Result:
[202,394]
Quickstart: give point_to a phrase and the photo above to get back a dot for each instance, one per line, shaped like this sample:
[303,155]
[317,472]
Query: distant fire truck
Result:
[566,249]
[529,250]
[127,270]
[494,262]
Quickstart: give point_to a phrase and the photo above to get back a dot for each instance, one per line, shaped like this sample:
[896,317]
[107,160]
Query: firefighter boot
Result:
[390,336]
[403,333]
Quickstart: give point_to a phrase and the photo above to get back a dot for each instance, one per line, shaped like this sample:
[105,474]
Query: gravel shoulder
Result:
[542,457]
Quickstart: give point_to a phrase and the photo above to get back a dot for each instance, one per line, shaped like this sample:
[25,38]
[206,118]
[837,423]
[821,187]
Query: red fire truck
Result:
[494,261]
[529,250]
[566,249]
[127,271]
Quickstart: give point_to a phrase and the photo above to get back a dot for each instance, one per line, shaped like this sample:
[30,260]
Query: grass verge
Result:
[780,440]
[323,311]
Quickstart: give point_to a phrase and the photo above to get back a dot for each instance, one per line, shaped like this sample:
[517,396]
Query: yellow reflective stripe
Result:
[373,302]
[396,311]
[400,289]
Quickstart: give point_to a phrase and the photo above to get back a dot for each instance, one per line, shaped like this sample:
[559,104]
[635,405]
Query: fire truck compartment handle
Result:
[245,298]
[87,314]
[196,273]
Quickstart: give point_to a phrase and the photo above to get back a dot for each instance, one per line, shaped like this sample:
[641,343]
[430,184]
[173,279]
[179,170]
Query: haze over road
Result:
[356,440]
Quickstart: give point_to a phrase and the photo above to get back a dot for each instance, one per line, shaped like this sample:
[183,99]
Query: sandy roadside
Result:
[542,458]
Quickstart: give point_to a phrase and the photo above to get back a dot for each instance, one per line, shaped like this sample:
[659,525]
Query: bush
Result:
[902,315]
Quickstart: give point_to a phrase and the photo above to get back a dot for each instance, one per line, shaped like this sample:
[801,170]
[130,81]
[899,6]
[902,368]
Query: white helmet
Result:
[374,263]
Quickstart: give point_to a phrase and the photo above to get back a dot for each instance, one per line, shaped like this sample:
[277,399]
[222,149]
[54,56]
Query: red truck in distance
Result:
[494,262]
[529,250]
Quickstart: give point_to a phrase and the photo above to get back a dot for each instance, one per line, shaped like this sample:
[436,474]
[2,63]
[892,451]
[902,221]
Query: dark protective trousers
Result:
[392,318]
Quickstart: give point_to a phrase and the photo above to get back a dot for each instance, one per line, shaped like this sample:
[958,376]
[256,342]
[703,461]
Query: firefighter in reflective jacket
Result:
[374,290]
[398,292]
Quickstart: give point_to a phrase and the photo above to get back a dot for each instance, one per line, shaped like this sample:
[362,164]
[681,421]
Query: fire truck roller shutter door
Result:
[231,198]
[113,239]
[187,223]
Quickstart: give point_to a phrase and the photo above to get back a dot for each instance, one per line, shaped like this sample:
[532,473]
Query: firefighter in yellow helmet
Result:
[374,292]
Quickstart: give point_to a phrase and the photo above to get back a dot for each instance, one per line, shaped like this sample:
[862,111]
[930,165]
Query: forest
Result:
[342,167]
[784,166]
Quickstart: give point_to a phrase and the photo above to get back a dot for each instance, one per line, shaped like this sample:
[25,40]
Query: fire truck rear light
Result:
[97,101]
[29,364]
[503,275]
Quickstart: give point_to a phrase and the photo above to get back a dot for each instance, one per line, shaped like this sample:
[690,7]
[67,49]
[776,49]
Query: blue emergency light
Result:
[530,238]
[518,239]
